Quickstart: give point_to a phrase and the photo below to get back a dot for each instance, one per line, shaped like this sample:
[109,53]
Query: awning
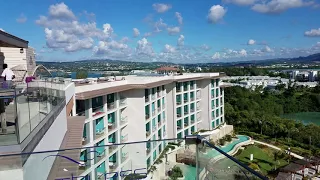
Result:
[8,40]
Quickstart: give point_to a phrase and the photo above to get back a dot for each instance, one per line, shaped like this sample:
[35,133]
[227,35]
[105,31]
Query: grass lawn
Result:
[263,158]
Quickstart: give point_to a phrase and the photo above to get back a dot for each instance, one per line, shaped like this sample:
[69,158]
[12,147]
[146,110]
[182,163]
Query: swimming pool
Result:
[189,172]
[213,153]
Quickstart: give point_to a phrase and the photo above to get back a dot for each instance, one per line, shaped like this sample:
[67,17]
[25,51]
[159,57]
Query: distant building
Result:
[198,69]
[313,75]
[167,70]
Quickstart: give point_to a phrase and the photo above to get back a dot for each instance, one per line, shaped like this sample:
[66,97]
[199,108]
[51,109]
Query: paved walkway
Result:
[277,148]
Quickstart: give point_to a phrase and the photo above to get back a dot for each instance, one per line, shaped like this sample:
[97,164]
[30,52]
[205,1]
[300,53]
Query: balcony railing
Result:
[153,112]
[179,103]
[111,126]
[212,161]
[159,123]
[100,133]
[185,100]
[148,134]
[192,99]
[113,166]
[154,128]
[100,155]
[178,90]
[147,116]
[159,109]
[192,110]
[123,120]
[159,94]
[185,112]
[110,106]
[124,157]
[124,138]
[153,96]
[123,102]
[96,111]
[146,99]
[178,115]
[85,140]
[148,150]
[192,121]
[25,107]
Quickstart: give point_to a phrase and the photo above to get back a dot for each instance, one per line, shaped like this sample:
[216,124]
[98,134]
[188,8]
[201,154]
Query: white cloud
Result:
[21,19]
[241,2]
[61,11]
[173,30]
[266,49]
[136,32]
[216,13]
[179,18]
[312,33]
[251,42]
[109,47]
[161,8]
[243,52]
[181,40]
[168,49]
[144,48]
[63,31]
[205,47]
[218,55]
[147,34]
[124,40]
[159,25]
[279,6]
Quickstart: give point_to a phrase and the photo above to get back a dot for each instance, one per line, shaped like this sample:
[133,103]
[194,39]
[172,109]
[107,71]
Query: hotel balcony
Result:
[96,111]
[85,141]
[113,165]
[153,112]
[83,166]
[99,133]
[159,94]
[110,106]
[124,138]
[159,109]
[153,96]
[192,121]
[112,148]
[100,154]
[148,133]
[179,102]
[192,110]
[123,120]
[124,157]
[159,123]
[111,126]
[154,128]
[123,101]
[146,99]
[148,150]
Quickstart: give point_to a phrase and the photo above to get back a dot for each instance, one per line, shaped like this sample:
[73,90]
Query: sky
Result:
[178,31]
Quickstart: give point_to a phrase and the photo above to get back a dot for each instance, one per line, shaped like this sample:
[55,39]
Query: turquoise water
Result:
[213,153]
[304,117]
[189,172]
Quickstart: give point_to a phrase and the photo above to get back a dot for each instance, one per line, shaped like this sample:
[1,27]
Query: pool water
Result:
[213,153]
[189,172]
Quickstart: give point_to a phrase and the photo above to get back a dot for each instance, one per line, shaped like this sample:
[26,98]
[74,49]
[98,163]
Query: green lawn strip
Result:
[263,157]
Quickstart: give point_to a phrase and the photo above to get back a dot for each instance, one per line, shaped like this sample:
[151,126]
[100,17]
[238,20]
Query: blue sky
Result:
[188,31]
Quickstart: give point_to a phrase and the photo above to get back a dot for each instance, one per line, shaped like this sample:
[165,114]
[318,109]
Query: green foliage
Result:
[254,112]
[228,138]
[81,74]
[175,173]
[222,142]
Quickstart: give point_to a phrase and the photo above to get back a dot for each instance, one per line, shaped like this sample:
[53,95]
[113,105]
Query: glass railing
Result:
[96,111]
[24,107]
[110,105]
[192,157]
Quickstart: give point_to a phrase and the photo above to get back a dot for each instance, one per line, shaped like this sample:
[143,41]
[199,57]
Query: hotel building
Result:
[142,108]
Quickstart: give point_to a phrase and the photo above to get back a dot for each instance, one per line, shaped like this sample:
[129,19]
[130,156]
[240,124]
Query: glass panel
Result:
[136,161]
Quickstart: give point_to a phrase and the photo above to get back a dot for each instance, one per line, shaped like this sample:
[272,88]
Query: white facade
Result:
[173,109]
[19,56]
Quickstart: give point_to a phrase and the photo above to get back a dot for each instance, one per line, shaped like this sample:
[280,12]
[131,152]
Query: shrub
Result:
[228,138]
[254,166]
[222,142]
[175,173]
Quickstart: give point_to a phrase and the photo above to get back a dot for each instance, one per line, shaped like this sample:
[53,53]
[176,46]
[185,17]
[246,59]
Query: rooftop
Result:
[93,88]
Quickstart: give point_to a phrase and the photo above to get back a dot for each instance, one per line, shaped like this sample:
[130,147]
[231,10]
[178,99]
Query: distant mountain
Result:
[314,58]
